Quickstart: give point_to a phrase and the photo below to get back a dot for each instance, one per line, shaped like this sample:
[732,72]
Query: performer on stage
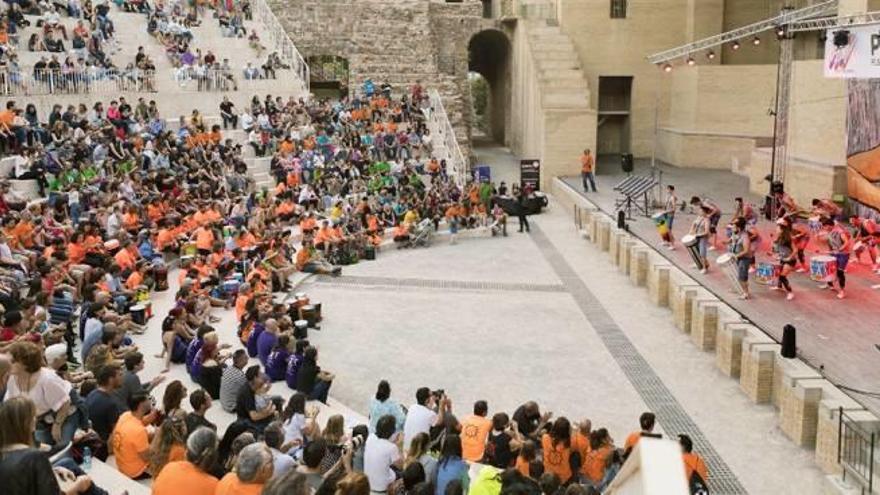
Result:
[866,239]
[741,249]
[825,208]
[669,211]
[701,230]
[800,237]
[744,209]
[786,204]
[840,243]
[714,216]
[785,252]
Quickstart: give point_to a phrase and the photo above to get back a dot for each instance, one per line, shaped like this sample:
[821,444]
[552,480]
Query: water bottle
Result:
[87,459]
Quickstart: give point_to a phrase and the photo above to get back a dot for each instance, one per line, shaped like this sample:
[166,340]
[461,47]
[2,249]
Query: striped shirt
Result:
[231,383]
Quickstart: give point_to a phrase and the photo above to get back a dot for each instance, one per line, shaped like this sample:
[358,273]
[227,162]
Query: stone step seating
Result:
[106,476]
[562,82]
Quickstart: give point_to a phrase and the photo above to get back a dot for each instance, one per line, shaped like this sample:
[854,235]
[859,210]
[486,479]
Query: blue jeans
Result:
[588,176]
[703,246]
[43,434]
[70,464]
[320,391]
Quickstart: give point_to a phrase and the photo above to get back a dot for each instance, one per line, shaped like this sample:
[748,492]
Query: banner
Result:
[863,146]
[855,56]
[530,174]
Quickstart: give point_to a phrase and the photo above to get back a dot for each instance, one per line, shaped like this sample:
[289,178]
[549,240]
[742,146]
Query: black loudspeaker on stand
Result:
[789,338]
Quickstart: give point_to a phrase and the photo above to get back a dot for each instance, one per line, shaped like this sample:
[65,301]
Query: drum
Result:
[858,246]
[300,329]
[309,314]
[188,249]
[148,309]
[370,252]
[815,224]
[160,274]
[142,294]
[823,268]
[186,260]
[138,314]
[238,276]
[317,306]
[301,300]
[768,273]
[660,222]
[727,262]
[691,243]
[230,287]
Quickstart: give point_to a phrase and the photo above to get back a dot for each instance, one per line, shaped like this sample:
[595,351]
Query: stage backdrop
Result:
[863,145]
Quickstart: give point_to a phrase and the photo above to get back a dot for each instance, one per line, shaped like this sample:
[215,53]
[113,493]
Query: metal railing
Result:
[856,451]
[279,40]
[441,128]
[60,82]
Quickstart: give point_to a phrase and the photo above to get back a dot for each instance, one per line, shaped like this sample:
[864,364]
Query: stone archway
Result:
[328,74]
[489,54]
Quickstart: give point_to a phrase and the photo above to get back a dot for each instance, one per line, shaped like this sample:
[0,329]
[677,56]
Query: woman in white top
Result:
[298,423]
[383,404]
[57,418]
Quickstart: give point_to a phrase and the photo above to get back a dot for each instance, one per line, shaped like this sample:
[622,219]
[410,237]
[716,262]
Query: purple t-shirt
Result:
[276,365]
[265,342]
[252,339]
[194,346]
[293,364]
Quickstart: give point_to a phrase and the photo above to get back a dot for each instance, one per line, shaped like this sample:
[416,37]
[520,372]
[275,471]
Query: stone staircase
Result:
[563,83]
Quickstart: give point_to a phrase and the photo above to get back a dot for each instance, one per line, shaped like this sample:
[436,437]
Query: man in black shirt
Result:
[246,404]
[529,420]
[102,404]
[227,112]
[200,402]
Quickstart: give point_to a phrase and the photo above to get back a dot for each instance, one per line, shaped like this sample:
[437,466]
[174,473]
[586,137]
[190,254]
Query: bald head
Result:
[272,325]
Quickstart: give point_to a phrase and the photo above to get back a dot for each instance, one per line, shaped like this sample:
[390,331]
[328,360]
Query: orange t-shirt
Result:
[76,253]
[240,304]
[164,238]
[128,440]
[522,465]
[231,485]
[586,163]
[204,239]
[184,477]
[474,431]
[580,443]
[594,463]
[693,462]
[302,257]
[556,459]
[134,280]
[124,259]
[631,440]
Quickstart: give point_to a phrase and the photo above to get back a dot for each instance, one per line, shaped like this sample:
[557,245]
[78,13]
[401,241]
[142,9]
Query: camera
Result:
[439,393]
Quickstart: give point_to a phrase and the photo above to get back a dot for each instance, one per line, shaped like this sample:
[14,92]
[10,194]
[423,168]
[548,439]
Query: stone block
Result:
[638,264]
[604,233]
[827,429]
[704,322]
[799,408]
[786,373]
[756,370]
[681,301]
[625,256]
[617,236]
[729,346]
[658,283]
[594,228]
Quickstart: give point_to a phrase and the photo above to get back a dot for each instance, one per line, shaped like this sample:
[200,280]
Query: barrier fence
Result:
[279,40]
[856,450]
[456,165]
[59,81]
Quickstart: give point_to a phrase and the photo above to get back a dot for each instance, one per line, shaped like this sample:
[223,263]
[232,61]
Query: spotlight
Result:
[780,32]
[710,55]
[691,61]
[667,68]
[735,45]
[756,41]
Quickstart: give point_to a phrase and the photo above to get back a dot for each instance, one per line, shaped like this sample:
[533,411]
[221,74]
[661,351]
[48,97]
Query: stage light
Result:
[780,32]
[710,55]
[691,61]
[756,41]
[735,45]
[667,68]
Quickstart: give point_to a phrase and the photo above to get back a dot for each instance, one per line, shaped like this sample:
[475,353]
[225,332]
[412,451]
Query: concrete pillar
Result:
[799,409]
[638,264]
[759,353]
[604,234]
[681,301]
[786,373]
[658,283]
[729,347]
[704,322]
[625,255]
[617,235]
[594,227]
[827,430]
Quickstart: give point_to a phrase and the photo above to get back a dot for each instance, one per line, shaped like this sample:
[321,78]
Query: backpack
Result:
[697,484]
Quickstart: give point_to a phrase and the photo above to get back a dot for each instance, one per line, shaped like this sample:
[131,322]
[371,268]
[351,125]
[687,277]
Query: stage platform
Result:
[835,336]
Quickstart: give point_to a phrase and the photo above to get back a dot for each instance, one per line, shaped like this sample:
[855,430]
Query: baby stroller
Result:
[421,235]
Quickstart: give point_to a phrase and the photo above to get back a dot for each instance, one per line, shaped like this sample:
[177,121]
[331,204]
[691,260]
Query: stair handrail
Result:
[456,165]
[281,41]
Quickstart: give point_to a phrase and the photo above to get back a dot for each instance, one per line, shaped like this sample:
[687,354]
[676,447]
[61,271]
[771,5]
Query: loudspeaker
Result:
[626,162]
[621,219]
[841,38]
[789,338]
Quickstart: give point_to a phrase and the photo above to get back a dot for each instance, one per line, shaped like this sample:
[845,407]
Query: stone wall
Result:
[394,41]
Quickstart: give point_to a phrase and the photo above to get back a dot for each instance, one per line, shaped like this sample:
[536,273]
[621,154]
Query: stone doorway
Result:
[329,75]
[489,55]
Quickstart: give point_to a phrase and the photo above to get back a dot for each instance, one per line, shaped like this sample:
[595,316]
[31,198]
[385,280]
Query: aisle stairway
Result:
[563,83]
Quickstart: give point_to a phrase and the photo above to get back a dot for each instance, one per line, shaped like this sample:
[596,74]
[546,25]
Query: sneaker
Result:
[752,269]
[694,265]
[703,271]
[800,269]
[789,296]
[824,286]
[672,248]
[744,297]
[711,248]
[841,295]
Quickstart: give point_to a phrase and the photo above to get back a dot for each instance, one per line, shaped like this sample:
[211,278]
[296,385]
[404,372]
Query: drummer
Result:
[714,216]
[741,249]
[840,243]
[786,204]
[669,212]
[785,252]
[826,209]
[744,209]
[866,238]
[700,230]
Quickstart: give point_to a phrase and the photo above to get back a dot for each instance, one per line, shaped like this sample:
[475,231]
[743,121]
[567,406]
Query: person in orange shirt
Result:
[401,235]
[286,146]
[527,454]
[191,476]
[646,422]
[693,463]
[557,450]
[252,470]
[166,240]
[76,251]
[580,439]
[474,432]
[136,279]
[307,261]
[325,238]
[245,239]
[154,211]
[587,170]
[201,216]
[244,295]
[130,442]
[204,239]
[599,466]
[123,257]
[308,223]
[169,442]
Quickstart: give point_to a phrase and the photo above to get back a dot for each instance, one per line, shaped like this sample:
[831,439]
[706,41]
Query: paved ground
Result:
[836,336]
[539,317]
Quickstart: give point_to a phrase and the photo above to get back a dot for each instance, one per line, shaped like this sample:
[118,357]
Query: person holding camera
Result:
[428,412]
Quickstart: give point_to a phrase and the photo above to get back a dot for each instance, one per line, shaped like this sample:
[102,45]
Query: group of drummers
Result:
[836,239]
